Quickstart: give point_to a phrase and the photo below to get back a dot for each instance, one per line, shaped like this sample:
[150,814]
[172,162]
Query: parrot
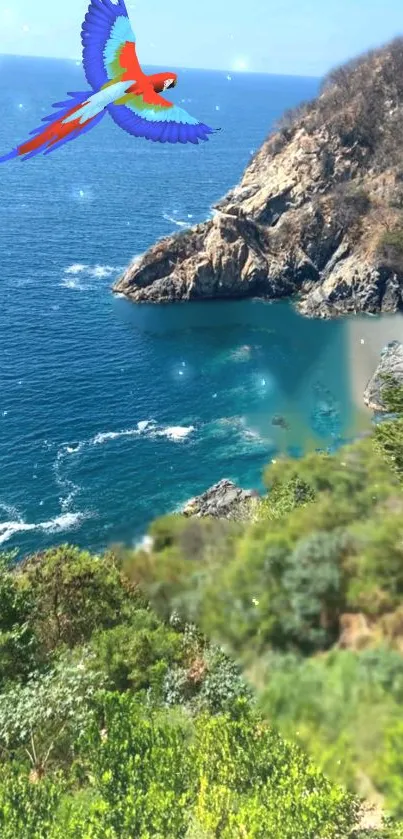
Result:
[119,87]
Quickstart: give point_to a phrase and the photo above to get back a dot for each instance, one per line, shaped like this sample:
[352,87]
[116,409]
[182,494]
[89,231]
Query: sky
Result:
[295,37]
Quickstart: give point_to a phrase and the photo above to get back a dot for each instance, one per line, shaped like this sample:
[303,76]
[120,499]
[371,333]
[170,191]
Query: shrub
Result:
[44,718]
[18,643]
[313,582]
[389,433]
[73,593]
[27,810]
[137,656]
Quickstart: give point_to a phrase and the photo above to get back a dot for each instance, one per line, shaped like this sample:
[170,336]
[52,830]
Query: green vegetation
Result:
[125,725]
[201,688]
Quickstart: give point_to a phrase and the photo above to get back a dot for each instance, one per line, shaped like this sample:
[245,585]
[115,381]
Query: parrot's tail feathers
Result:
[77,115]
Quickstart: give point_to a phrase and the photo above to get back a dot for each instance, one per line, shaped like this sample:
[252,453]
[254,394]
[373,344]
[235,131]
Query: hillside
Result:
[235,679]
[318,212]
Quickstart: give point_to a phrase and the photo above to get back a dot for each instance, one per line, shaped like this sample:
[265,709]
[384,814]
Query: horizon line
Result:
[177,66]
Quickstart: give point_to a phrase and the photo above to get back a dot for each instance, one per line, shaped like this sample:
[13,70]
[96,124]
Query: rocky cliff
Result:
[318,213]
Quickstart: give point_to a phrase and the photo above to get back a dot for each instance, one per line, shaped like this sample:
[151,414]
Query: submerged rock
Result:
[391,364]
[223,500]
[280,422]
[317,214]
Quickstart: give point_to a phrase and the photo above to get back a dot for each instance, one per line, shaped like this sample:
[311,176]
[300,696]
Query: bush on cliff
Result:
[130,726]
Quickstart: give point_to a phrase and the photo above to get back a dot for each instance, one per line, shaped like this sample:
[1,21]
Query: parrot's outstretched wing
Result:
[109,44]
[146,114]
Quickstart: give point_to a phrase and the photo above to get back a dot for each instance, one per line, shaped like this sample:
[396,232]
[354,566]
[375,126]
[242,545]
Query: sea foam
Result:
[66,521]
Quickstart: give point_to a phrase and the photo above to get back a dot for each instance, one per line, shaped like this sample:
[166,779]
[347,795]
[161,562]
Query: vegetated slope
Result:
[120,718]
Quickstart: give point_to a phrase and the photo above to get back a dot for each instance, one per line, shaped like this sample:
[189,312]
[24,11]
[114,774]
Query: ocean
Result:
[110,413]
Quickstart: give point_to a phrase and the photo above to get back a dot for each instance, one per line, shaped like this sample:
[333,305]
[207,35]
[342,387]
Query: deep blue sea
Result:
[111,414]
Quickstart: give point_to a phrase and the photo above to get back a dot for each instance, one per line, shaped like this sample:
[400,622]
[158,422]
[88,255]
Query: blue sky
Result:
[303,37]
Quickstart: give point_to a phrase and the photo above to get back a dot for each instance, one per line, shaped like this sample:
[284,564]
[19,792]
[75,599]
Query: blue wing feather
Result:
[167,127]
[99,25]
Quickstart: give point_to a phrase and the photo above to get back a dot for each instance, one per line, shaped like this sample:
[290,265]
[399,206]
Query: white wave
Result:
[68,488]
[73,449]
[78,276]
[74,284]
[9,510]
[178,222]
[104,437]
[145,544]
[241,354]
[66,521]
[144,424]
[148,428]
[176,432]
[223,426]
[77,268]
[67,452]
[101,271]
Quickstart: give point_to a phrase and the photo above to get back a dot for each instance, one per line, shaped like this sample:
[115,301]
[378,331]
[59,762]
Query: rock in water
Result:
[280,422]
[223,500]
[317,213]
[391,364]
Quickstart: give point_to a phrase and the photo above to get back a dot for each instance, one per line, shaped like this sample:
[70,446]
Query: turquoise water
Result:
[109,413]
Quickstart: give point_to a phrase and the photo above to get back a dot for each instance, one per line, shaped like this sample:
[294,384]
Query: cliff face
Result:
[318,212]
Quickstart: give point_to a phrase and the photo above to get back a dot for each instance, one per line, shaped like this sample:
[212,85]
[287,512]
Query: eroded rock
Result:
[223,500]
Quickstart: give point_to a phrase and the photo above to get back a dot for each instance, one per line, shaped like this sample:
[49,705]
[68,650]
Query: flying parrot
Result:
[119,87]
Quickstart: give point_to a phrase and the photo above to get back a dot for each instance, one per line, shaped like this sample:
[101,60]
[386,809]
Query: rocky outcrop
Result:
[223,500]
[318,213]
[391,367]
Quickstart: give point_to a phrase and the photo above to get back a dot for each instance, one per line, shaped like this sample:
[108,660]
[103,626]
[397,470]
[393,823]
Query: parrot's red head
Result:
[163,81]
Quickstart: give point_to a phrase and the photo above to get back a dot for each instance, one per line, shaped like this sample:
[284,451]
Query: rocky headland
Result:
[223,500]
[318,214]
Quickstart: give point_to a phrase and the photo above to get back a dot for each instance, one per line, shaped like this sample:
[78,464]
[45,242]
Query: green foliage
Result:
[284,496]
[392,395]
[391,767]
[313,582]
[156,775]
[347,479]
[27,810]
[376,579]
[253,784]
[221,777]
[210,682]
[137,656]
[18,645]
[44,718]
[338,706]
[141,770]
[73,594]
[389,433]
[389,442]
